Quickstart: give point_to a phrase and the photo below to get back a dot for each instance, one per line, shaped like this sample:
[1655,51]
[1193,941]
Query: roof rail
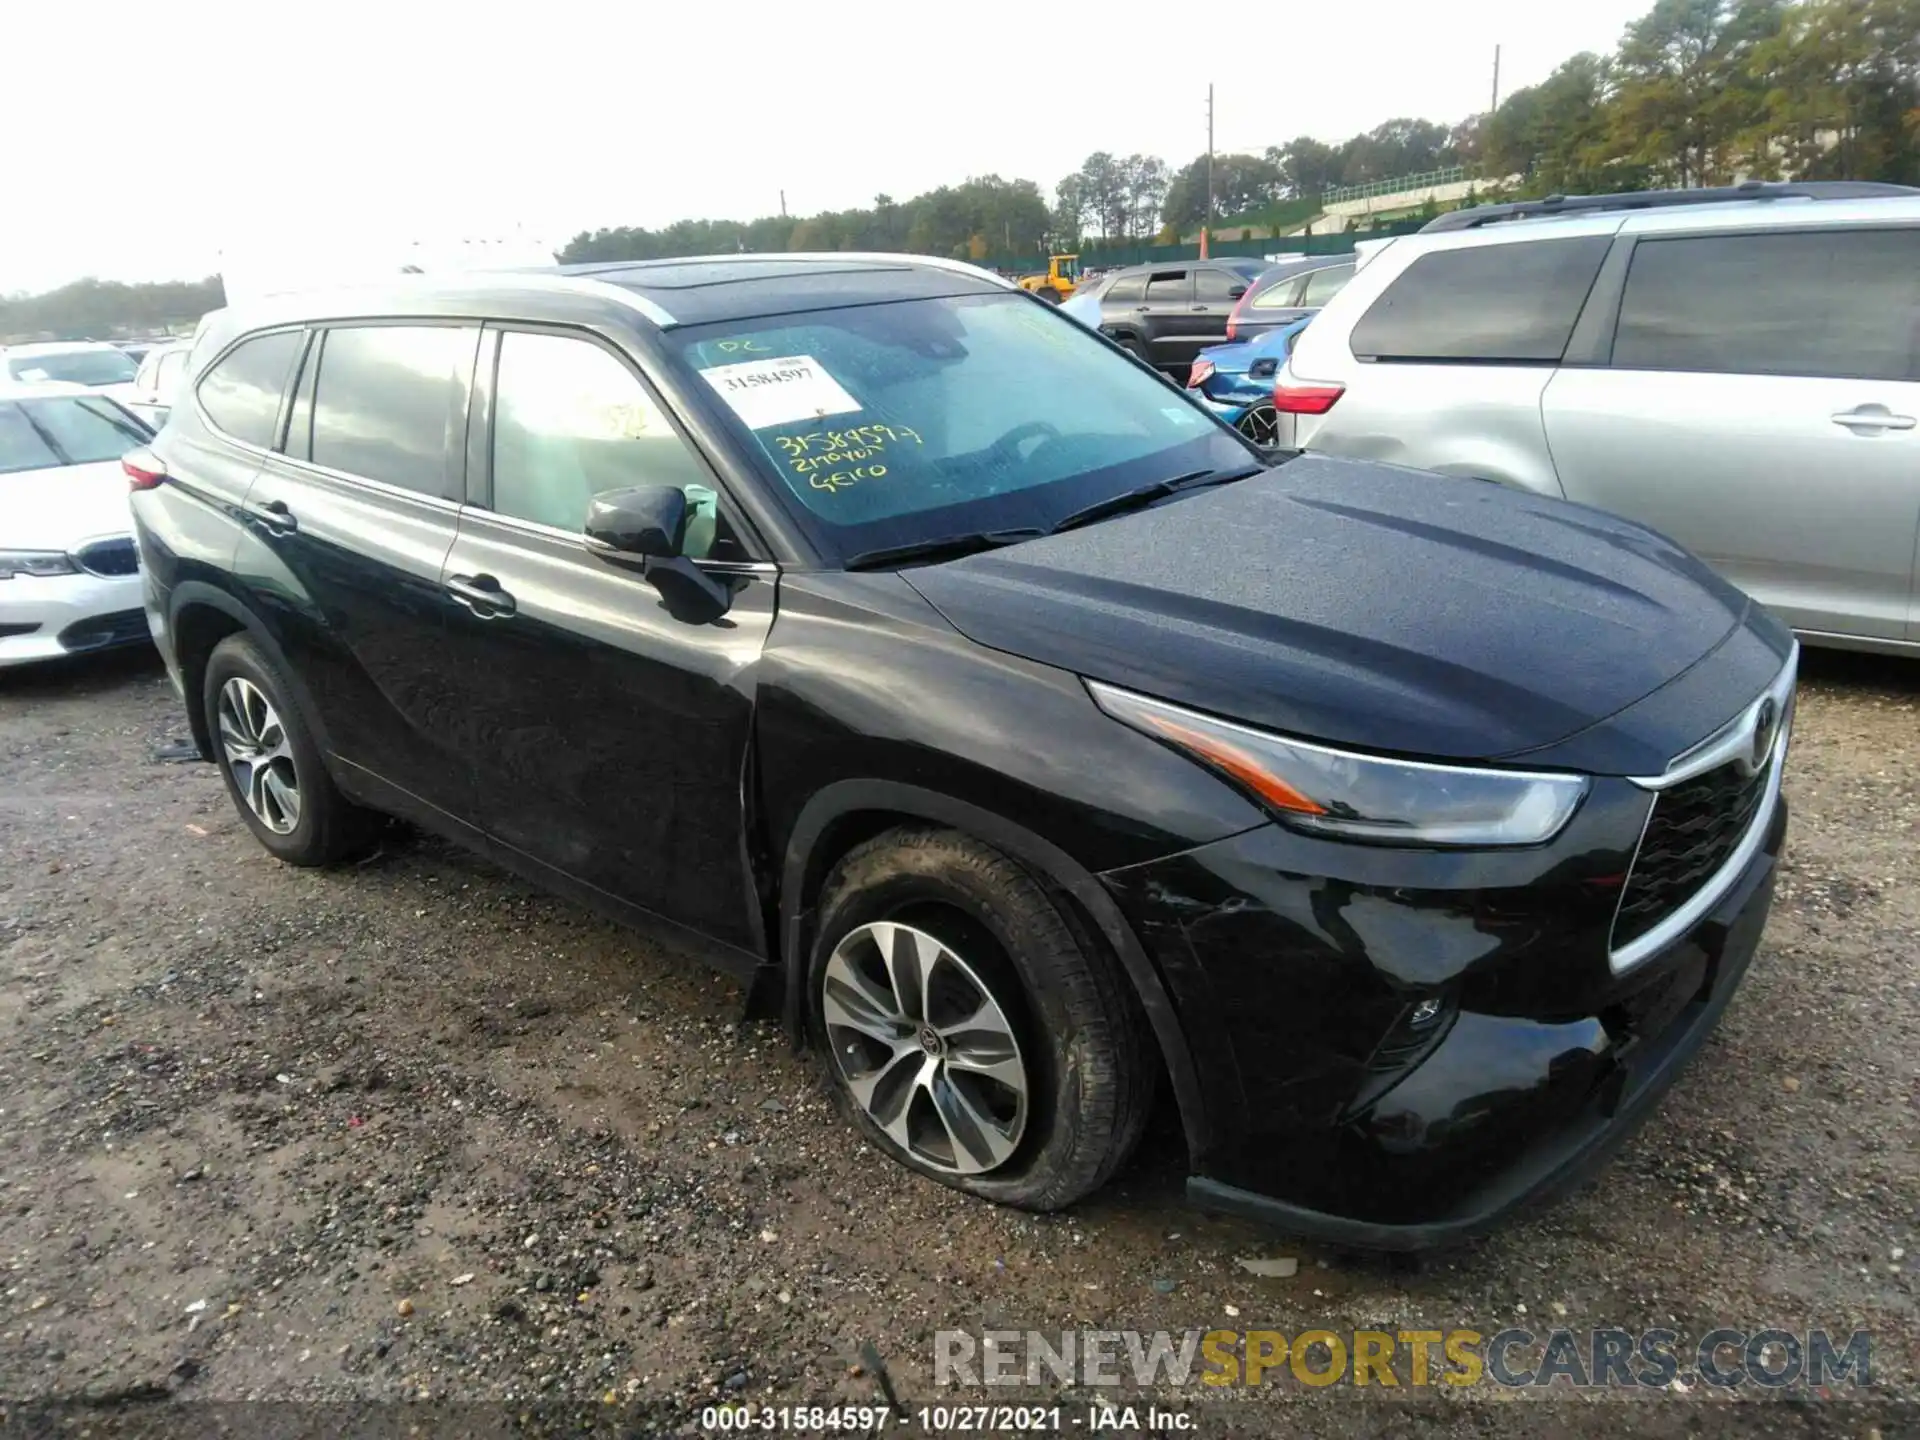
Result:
[1659,199]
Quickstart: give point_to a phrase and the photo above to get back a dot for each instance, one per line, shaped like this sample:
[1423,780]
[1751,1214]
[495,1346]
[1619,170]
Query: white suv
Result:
[1738,368]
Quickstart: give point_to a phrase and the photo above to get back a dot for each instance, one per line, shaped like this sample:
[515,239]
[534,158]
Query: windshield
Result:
[891,424]
[42,434]
[73,367]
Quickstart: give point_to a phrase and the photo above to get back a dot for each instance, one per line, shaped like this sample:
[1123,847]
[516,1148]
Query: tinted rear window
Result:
[1845,303]
[390,403]
[1515,302]
[241,393]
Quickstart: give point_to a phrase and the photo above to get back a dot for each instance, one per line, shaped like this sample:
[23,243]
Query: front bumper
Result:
[1541,1062]
[46,617]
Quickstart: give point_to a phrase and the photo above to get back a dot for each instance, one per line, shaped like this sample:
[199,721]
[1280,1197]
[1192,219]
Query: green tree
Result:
[1685,88]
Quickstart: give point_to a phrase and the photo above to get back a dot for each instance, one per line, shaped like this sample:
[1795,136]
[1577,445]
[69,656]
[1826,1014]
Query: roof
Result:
[688,291]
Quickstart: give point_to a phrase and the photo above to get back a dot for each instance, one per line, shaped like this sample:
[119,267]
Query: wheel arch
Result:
[199,617]
[849,812]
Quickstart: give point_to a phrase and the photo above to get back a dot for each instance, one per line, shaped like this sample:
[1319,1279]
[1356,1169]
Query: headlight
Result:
[1342,795]
[34,562]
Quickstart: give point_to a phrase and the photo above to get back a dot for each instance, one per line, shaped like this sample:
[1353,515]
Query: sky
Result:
[164,142]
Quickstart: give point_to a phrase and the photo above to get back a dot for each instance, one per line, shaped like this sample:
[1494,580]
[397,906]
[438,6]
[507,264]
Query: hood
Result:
[1360,604]
[57,509]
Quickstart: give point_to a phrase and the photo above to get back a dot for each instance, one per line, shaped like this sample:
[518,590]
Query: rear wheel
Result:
[1261,425]
[972,1030]
[271,764]
[1049,294]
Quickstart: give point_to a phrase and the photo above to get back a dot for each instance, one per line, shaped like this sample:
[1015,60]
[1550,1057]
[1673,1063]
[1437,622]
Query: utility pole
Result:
[1206,230]
[1496,81]
[783,204]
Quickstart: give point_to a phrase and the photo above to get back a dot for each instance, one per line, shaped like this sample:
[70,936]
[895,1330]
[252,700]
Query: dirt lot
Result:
[409,1130]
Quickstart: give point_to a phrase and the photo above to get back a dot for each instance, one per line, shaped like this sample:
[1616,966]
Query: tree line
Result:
[108,309]
[1698,92]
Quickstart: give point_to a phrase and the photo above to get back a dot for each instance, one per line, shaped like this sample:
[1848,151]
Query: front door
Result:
[608,739]
[1173,329]
[1762,407]
[347,527]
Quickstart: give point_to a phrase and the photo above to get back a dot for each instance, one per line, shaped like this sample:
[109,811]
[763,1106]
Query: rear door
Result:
[1759,404]
[1167,310]
[1215,292]
[606,735]
[348,527]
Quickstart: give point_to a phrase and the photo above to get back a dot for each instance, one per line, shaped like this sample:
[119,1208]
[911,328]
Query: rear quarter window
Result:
[1514,302]
[241,391]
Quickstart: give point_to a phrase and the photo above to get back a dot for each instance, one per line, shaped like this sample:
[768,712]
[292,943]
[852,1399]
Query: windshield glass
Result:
[42,434]
[891,424]
[73,367]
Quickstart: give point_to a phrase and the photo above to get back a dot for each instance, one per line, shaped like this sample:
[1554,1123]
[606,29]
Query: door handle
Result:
[481,594]
[274,516]
[1872,417]
[1140,309]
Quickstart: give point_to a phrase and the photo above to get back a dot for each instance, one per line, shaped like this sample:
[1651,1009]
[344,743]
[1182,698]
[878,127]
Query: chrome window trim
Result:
[1727,743]
[384,488]
[580,541]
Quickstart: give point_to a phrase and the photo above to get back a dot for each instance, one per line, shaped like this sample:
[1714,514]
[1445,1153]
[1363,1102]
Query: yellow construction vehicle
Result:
[1057,284]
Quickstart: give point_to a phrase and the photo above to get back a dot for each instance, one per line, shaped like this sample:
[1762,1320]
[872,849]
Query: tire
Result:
[1136,348]
[321,826]
[1049,294]
[1079,1046]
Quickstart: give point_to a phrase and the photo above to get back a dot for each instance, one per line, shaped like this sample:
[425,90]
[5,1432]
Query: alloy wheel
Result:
[1260,425]
[259,755]
[925,1048]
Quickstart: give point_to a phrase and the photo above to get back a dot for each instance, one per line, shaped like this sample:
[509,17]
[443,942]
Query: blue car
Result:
[1236,381]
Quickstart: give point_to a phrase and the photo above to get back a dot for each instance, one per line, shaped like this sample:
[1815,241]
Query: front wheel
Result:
[1049,294]
[972,1030]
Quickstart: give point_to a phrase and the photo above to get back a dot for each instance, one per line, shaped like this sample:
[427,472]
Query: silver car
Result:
[1739,369]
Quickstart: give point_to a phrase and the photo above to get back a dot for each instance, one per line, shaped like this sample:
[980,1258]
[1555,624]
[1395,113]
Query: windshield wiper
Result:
[1145,495]
[941,547]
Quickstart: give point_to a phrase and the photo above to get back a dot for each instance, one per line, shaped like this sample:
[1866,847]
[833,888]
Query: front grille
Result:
[1695,826]
[122,627]
[108,557]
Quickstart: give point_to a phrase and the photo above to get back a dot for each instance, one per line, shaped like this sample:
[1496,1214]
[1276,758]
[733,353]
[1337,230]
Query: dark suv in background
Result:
[1167,314]
[1002,719]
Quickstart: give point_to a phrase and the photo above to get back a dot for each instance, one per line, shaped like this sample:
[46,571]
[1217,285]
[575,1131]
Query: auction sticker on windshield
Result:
[778,392]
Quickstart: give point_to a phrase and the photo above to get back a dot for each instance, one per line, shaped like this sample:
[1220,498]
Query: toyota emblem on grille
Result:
[1766,724]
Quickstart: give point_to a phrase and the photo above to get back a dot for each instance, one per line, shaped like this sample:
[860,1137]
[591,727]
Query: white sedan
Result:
[69,574]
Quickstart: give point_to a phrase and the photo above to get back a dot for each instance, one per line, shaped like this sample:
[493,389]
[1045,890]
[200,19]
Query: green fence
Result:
[1108,257]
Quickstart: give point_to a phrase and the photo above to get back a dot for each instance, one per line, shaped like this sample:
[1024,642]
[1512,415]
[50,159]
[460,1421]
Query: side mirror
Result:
[647,520]
[1236,291]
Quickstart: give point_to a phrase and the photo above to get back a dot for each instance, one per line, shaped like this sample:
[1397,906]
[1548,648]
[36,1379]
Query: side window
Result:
[570,421]
[1283,295]
[390,404]
[1844,303]
[1513,302]
[1215,287]
[1323,285]
[1170,287]
[1131,289]
[241,393]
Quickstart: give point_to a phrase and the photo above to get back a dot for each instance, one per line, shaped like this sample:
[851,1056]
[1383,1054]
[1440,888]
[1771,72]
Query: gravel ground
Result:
[409,1130]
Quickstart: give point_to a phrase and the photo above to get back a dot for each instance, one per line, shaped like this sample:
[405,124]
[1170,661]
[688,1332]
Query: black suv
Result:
[1004,721]
[1167,314]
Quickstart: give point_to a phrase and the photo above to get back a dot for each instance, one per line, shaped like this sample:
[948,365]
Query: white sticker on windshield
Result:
[779,392]
[1179,416]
